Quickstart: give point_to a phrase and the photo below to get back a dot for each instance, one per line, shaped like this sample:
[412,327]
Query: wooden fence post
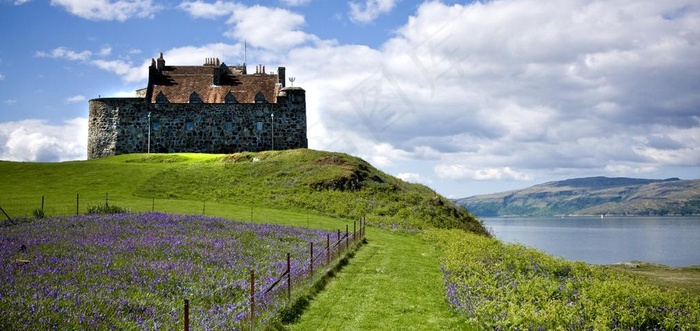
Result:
[289,279]
[347,237]
[354,231]
[42,203]
[8,216]
[311,261]
[252,299]
[187,315]
[77,204]
[328,249]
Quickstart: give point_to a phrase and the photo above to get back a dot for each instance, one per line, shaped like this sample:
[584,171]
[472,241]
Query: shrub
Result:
[38,213]
[106,209]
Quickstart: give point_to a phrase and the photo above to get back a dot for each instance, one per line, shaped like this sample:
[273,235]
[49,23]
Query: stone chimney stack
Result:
[281,75]
[160,64]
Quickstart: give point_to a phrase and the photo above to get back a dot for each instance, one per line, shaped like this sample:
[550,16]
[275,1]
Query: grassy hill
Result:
[326,183]
[593,196]
[399,280]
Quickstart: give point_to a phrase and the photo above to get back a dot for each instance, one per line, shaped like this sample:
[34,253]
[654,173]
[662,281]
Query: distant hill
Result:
[592,196]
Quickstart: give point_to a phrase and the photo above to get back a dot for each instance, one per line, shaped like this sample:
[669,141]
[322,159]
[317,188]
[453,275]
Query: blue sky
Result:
[465,97]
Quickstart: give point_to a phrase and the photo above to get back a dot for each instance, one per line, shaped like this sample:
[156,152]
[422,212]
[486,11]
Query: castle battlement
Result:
[212,108]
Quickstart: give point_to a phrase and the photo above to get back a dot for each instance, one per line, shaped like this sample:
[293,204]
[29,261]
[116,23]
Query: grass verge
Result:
[684,279]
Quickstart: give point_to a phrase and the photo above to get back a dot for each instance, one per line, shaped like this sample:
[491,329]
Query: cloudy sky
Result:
[467,97]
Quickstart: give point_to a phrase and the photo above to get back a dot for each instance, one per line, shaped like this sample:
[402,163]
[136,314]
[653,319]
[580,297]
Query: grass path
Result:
[393,283]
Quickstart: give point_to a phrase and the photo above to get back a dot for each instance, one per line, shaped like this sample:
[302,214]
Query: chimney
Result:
[281,75]
[160,63]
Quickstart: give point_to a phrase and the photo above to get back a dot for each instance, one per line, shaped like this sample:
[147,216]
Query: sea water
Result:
[673,241]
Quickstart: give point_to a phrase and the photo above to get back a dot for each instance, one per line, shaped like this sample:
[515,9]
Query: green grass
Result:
[322,183]
[684,279]
[393,283]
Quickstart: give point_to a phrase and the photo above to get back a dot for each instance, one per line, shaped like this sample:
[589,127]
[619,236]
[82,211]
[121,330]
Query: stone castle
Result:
[213,108]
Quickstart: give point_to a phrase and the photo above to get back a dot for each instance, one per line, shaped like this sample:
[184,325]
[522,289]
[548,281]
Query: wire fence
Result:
[267,290]
[270,290]
[15,207]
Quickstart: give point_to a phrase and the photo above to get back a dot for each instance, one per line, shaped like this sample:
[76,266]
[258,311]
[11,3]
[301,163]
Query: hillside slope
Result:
[327,183]
[592,196]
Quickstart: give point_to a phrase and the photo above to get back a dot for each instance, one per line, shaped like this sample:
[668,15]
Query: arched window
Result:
[194,98]
[161,99]
[229,98]
[260,98]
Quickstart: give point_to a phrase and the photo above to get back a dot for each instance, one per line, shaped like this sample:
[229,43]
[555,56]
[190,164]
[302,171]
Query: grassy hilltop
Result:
[325,183]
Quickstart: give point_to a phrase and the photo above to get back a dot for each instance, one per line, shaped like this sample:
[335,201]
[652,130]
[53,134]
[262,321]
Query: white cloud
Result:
[282,28]
[413,177]
[458,171]
[108,10]
[370,10]
[65,53]
[2,77]
[126,70]
[514,90]
[10,102]
[20,2]
[37,140]
[194,55]
[105,51]
[294,3]
[203,9]
[120,67]
[75,99]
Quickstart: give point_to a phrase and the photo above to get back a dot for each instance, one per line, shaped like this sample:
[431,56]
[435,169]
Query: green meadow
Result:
[427,264]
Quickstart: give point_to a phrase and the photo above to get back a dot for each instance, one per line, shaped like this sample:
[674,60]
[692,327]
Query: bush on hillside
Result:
[105,209]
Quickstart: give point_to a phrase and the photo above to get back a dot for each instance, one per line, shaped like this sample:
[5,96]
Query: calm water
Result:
[674,241]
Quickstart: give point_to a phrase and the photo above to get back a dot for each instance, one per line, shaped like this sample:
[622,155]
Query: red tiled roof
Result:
[178,82]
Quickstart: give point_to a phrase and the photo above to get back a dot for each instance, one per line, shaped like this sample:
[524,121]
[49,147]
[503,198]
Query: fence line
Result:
[13,207]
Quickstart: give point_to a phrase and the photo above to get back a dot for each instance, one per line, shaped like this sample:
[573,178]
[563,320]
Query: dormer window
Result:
[229,98]
[161,99]
[260,98]
[194,98]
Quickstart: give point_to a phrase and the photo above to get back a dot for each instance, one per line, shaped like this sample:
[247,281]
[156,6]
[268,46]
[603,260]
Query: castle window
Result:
[260,98]
[258,126]
[194,98]
[189,126]
[230,98]
[161,99]
[228,126]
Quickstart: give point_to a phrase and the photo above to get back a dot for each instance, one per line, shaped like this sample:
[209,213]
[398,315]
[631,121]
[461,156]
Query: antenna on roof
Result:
[291,80]
[245,52]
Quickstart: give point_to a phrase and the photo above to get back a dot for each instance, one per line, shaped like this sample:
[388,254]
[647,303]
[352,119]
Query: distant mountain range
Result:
[592,196]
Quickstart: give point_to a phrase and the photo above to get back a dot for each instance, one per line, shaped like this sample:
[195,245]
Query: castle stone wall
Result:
[121,126]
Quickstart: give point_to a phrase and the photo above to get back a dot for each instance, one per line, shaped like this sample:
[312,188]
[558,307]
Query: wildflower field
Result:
[508,286]
[133,270]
